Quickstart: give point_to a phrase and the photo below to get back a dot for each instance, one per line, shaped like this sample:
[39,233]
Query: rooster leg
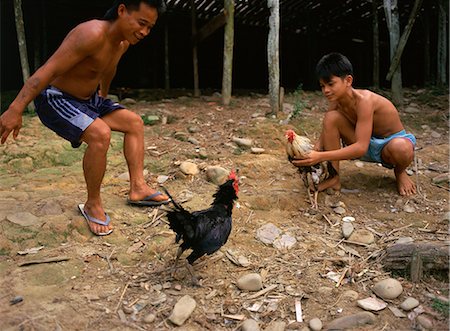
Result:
[179,252]
[190,268]
[311,200]
[316,205]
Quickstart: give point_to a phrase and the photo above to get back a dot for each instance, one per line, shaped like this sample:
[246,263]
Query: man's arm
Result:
[79,43]
[107,78]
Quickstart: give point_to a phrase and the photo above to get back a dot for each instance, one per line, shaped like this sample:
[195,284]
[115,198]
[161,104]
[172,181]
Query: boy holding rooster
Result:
[368,124]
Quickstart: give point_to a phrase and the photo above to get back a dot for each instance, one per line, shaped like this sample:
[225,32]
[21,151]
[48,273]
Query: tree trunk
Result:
[442,45]
[20,28]
[166,56]
[194,49]
[273,55]
[392,20]
[376,46]
[227,77]
[426,49]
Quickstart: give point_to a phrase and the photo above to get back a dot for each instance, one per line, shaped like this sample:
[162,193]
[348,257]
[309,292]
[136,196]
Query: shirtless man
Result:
[368,124]
[67,101]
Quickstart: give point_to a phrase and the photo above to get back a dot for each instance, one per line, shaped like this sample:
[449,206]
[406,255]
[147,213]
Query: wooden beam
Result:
[209,28]
[403,39]
[273,55]
[228,46]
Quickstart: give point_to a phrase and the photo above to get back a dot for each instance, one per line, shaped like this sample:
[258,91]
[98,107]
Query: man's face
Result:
[137,24]
[335,87]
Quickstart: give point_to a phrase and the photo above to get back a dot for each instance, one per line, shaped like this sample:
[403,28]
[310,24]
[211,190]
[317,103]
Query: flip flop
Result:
[148,202]
[89,218]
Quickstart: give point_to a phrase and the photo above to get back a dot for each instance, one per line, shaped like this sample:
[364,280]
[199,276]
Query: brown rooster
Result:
[297,147]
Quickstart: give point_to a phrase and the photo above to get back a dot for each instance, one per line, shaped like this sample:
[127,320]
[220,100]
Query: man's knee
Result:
[332,118]
[136,121]
[98,135]
[399,150]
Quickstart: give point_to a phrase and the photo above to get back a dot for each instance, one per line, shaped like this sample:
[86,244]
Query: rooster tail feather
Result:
[331,170]
[176,204]
[180,220]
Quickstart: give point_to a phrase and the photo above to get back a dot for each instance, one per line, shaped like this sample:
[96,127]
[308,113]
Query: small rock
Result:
[286,242]
[425,322]
[16,300]
[412,110]
[362,236]
[388,288]
[242,142]
[442,178]
[397,312]
[150,318]
[23,219]
[193,141]
[217,175]
[315,324]
[348,219]
[435,134]
[268,233]
[351,321]
[276,326]
[404,240]
[189,168]
[179,135]
[151,119]
[409,303]
[128,101]
[126,175]
[162,179]
[372,304]
[409,208]
[359,164]
[350,294]
[257,150]
[347,229]
[182,310]
[193,129]
[250,282]
[250,325]
[409,172]
[339,210]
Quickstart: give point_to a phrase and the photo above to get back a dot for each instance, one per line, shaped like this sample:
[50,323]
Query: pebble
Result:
[435,134]
[268,233]
[126,175]
[182,310]
[286,242]
[193,129]
[189,168]
[404,240]
[350,294]
[242,142]
[351,321]
[372,304]
[250,282]
[425,322]
[217,175]
[276,326]
[315,324]
[409,303]
[388,288]
[23,219]
[150,318]
[442,178]
[182,136]
[362,236]
[16,300]
[409,208]
[250,325]
[162,179]
[411,110]
[347,229]
[339,210]
[193,141]
[257,150]
[359,164]
[397,312]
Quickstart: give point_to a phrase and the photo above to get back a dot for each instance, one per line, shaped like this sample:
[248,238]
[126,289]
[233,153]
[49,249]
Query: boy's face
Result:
[334,88]
[137,24]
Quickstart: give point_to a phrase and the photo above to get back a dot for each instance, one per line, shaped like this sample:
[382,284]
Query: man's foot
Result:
[98,224]
[334,183]
[405,186]
[147,197]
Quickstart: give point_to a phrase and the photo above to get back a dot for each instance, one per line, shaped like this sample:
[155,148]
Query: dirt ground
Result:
[117,282]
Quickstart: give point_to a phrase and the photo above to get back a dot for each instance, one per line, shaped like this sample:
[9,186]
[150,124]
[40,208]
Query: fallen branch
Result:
[49,260]
[262,292]
[121,297]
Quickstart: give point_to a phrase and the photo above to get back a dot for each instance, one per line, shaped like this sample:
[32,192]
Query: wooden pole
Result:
[20,29]
[442,44]
[194,49]
[376,46]
[228,52]
[273,55]
[166,56]
[403,39]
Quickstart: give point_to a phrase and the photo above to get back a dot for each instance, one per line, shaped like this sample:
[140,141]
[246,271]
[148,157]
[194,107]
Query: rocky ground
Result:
[285,265]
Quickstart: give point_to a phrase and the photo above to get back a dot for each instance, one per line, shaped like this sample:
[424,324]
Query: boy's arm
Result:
[78,44]
[363,132]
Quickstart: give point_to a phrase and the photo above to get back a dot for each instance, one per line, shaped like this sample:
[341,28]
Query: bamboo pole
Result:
[227,77]
[273,55]
[194,49]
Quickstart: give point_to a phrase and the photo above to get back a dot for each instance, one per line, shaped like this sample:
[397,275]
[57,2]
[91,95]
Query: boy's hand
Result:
[312,158]
[10,121]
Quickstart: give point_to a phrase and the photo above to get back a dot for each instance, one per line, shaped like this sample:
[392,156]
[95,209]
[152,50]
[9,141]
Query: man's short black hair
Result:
[333,64]
[111,14]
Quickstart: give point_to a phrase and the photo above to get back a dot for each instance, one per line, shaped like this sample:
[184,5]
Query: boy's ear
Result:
[349,80]
[122,9]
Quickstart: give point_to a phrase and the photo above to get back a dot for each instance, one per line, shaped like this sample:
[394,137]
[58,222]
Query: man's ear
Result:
[349,80]
[121,10]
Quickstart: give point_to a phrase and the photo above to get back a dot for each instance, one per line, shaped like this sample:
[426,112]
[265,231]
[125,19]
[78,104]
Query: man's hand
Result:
[10,121]
[312,158]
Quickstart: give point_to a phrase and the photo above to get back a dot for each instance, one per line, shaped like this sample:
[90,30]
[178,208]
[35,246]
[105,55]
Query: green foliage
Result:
[441,307]
[299,101]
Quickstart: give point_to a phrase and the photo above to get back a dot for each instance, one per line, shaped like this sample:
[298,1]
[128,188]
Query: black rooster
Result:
[204,231]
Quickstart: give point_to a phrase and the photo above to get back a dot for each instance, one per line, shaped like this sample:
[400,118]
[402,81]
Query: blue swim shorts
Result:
[376,146]
[68,116]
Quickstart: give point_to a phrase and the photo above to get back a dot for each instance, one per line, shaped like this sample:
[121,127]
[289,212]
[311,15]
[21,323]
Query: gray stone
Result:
[23,219]
[150,318]
[409,303]
[362,236]
[162,179]
[193,141]
[189,168]
[217,175]
[351,321]
[250,325]
[276,326]
[182,310]
[442,178]
[128,101]
[193,129]
[350,294]
[250,282]
[404,240]
[425,322]
[315,324]
[285,242]
[242,142]
[372,304]
[347,229]
[257,150]
[435,134]
[339,210]
[126,175]
[268,233]
[409,208]
[388,288]
[412,110]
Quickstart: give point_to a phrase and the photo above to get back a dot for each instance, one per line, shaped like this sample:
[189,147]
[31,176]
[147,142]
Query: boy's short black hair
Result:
[111,14]
[333,64]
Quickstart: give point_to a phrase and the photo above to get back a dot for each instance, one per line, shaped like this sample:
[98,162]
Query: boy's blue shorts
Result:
[376,146]
[68,116]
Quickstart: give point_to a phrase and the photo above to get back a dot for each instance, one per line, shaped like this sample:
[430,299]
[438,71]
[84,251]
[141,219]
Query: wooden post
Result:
[392,20]
[376,46]
[20,29]
[426,49]
[403,39]
[194,49]
[442,44]
[273,55]
[166,56]
[227,77]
